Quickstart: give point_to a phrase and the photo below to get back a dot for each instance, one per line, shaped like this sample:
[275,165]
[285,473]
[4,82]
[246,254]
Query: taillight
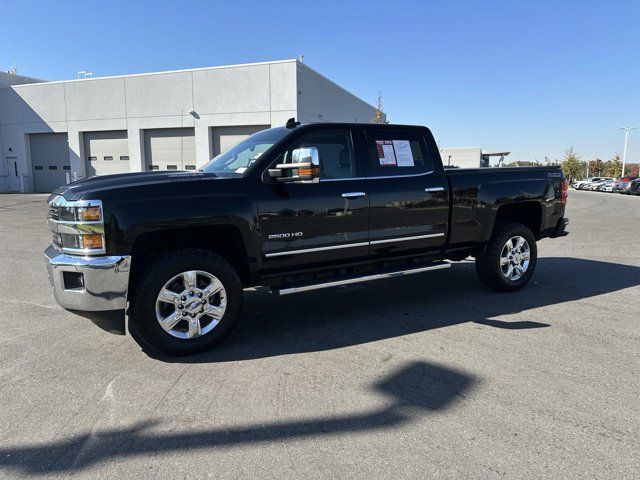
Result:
[564,191]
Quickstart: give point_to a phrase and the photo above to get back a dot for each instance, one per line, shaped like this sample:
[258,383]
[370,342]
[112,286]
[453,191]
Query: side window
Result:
[335,152]
[398,153]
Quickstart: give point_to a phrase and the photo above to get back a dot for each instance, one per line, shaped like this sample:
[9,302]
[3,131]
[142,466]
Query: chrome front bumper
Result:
[88,284]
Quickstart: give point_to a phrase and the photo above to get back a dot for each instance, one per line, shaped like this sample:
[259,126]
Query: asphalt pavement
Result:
[428,376]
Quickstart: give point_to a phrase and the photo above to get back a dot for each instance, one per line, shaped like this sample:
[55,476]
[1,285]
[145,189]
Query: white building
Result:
[54,132]
[470,157]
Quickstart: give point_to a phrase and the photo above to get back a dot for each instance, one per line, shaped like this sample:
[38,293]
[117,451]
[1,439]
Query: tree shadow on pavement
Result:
[414,390]
[356,314]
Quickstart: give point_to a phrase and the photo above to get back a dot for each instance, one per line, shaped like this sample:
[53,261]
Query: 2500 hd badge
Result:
[167,255]
[273,236]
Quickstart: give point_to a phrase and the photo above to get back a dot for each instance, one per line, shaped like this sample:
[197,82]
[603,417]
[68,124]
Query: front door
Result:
[408,192]
[316,223]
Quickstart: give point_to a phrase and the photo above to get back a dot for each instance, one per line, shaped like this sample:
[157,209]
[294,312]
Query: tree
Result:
[379,116]
[572,167]
[522,163]
[613,168]
[596,167]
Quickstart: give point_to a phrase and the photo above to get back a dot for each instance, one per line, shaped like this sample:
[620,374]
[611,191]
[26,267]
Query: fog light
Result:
[73,280]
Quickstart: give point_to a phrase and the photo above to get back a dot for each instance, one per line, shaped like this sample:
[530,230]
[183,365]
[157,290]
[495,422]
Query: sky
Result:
[532,77]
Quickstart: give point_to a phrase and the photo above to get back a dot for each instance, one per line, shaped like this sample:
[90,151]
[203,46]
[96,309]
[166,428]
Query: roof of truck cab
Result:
[390,126]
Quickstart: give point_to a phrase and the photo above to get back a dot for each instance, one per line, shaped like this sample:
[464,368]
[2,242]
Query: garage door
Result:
[106,152]
[223,138]
[170,149]
[49,160]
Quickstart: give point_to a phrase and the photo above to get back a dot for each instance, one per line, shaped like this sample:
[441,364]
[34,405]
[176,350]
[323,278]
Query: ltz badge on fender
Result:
[281,236]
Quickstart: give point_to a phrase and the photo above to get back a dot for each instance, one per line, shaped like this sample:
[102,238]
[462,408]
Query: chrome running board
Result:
[359,279]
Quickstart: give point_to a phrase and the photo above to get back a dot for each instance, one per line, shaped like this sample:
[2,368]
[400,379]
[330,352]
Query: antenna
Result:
[291,123]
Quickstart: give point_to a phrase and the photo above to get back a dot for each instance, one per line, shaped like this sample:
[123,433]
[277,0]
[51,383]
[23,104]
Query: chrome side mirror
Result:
[304,166]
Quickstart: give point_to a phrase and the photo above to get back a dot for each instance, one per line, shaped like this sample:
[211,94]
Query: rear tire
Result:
[510,258]
[167,315]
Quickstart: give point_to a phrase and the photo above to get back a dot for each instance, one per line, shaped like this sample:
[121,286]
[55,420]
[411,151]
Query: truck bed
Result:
[479,195]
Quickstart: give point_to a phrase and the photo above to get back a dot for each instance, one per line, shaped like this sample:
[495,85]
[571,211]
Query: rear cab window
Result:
[397,152]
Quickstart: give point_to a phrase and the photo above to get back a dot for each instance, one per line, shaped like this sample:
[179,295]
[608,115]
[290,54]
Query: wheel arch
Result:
[224,240]
[526,213]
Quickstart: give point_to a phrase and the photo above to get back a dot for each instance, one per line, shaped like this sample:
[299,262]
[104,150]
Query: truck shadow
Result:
[411,392]
[357,314]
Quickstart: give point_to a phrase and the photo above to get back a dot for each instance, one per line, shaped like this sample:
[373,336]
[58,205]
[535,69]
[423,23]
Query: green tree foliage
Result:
[522,163]
[572,167]
[613,168]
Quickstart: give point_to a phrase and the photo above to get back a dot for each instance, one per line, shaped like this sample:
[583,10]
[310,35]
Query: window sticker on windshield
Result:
[386,154]
[404,155]
[241,169]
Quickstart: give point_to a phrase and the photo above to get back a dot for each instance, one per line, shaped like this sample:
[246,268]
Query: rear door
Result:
[409,198]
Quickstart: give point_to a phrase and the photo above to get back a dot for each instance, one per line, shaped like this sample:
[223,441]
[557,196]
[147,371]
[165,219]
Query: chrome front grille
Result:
[57,240]
[54,212]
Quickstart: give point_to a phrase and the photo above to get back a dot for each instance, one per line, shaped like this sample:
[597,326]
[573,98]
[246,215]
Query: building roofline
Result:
[198,69]
[299,63]
[21,77]
[456,148]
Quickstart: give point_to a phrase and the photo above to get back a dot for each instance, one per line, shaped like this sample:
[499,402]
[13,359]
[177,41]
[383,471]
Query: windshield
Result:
[237,160]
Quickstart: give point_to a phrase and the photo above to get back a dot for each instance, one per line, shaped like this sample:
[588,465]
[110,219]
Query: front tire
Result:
[185,302]
[510,258]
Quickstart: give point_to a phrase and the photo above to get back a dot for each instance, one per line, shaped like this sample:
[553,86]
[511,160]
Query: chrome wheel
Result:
[191,304]
[514,258]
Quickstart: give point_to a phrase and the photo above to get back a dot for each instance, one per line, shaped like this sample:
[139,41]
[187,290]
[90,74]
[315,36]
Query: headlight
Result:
[71,213]
[77,226]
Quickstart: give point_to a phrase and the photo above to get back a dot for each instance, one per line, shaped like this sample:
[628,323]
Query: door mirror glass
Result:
[306,155]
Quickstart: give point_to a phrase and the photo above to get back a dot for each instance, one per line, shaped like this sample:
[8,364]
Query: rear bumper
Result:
[88,284]
[561,228]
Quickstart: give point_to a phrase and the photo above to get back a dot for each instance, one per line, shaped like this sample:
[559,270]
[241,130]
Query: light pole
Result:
[587,159]
[624,151]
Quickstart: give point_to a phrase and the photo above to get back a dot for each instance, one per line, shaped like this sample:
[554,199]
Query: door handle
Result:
[353,194]
[434,189]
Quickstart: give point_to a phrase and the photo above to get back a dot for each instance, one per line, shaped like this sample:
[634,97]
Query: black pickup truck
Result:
[294,208]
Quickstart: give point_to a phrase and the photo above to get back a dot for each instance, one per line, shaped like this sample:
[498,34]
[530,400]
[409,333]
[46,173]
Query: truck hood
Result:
[79,189]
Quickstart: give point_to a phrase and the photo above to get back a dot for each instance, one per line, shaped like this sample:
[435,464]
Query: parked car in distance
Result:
[596,183]
[634,187]
[606,186]
[582,184]
[622,185]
